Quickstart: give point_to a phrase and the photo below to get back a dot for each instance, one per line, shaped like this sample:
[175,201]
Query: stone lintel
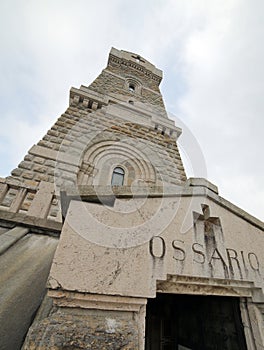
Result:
[96,301]
[206,286]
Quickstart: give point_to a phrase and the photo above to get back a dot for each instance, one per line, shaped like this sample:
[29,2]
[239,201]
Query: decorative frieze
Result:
[121,61]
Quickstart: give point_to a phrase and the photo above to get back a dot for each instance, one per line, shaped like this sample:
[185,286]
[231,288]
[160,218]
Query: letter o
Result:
[256,261]
[162,247]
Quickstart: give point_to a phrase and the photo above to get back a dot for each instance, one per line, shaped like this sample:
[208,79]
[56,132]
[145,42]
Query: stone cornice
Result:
[122,61]
[107,195]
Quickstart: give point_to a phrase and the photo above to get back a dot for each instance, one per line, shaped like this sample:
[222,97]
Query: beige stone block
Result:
[31,183]
[41,177]
[39,168]
[39,160]
[18,200]
[25,206]
[28,157]
[44,143]
[16,172]
[3,191]
[42,201]
[28,175]
[26,165]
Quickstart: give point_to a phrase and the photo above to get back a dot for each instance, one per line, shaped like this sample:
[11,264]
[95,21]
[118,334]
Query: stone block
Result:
[39,160]
[53,132]
[18,200]
[67,167]
[31,183]
[25,206]
[47,137]
[54,212]
[50,172]
[43,152]
[16,172]
[30,195]
[94,331]
[28,175]
[40,169]
[44,143]
[28,157]
[41,177]
[42,200]
[7,201]
[56,147]
[50,163]
[26,165]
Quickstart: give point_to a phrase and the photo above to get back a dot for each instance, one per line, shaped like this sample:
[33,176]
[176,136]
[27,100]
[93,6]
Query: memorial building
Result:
[105,243]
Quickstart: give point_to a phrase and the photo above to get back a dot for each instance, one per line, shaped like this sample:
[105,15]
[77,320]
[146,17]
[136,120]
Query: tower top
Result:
[135,62]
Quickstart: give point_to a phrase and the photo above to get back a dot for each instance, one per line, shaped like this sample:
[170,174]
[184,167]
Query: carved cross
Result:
[208,221]
[138,59]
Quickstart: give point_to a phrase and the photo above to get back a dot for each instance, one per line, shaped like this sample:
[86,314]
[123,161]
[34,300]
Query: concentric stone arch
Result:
[100,159]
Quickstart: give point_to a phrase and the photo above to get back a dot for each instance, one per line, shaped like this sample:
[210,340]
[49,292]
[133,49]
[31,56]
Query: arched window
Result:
[131,87]
[118,177]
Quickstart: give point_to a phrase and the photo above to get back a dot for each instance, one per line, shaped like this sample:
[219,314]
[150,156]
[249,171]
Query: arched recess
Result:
[133,85]
[101,158]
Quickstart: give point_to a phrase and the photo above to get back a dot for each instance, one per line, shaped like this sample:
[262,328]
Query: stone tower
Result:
[119,118]
[107,190]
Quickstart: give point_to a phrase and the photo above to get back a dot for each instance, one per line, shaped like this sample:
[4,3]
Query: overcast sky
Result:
[211,53]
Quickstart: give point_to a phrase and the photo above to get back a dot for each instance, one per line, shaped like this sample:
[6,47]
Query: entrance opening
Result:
[187,322]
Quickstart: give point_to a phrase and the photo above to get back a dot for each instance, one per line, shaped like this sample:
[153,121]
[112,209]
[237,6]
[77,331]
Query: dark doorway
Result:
[183,322]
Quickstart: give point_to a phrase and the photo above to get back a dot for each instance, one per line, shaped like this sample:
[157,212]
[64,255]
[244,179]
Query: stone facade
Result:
[105,113]
[120,247]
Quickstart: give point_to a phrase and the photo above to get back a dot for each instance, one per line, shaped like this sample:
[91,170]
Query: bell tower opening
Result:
[187,322]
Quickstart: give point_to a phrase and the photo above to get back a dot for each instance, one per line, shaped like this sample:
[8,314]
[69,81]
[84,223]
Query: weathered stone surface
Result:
[66,142]
[70,329]
[16,172]
[24,268]
[42,200]
[127,254]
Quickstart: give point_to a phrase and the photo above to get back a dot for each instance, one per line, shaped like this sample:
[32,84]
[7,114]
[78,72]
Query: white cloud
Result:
[224,101]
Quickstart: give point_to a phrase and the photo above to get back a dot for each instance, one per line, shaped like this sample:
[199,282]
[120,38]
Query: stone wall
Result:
[68,135]
[114,84]
[76,328]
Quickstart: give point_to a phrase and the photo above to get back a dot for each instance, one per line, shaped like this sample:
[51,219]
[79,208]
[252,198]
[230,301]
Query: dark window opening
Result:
[131,87]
